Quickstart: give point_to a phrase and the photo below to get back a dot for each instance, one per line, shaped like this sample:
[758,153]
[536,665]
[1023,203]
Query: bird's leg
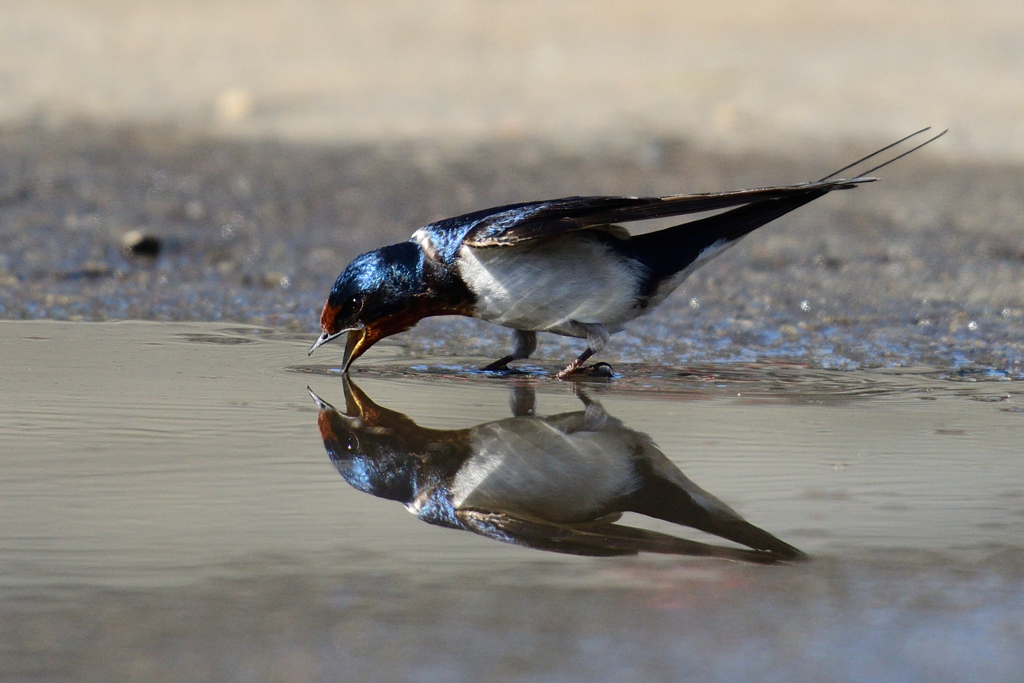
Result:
[522,400]
[524,342]
[576,364]
[597,339]
[594,414]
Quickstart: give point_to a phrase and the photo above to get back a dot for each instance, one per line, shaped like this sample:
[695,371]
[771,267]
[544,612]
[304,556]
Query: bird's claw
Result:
[496,366]
[600,370]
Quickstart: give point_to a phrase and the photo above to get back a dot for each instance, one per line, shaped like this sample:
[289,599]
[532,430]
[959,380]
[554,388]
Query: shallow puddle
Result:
[170,513]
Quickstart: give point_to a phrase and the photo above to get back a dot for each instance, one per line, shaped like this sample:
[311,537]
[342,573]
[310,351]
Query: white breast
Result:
[546,284]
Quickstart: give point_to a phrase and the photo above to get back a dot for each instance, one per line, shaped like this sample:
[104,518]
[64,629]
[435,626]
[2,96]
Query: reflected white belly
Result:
[531,469]
[549,284]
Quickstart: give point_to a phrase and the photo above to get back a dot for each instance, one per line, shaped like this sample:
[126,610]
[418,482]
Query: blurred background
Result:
[735,74]
[261,145]
[223,160]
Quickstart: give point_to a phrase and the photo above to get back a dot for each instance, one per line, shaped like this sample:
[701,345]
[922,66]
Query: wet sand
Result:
[170,514]
[924,266]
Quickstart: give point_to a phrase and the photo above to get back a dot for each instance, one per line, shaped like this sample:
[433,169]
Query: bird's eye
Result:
[350,307]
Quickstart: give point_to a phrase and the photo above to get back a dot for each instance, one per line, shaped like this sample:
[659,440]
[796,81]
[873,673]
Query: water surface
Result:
[170,513]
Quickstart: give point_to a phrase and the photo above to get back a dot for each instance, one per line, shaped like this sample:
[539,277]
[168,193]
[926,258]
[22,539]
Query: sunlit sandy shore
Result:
[746,75]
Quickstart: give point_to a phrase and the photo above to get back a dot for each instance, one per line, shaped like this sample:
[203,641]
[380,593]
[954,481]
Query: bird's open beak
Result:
[324,338]
[358,341]
[354,346]
[320,403]
[356,402]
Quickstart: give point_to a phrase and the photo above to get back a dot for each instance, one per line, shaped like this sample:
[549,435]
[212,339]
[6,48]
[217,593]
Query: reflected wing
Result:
[599,540]
[508,225]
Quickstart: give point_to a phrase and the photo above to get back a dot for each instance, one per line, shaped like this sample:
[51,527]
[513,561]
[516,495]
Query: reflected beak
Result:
[320,403]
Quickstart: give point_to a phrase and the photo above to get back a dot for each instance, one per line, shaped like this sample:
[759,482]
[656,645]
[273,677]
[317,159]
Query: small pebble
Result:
[138,243]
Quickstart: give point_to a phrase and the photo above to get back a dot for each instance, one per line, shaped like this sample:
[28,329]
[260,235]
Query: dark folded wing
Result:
[514,224]
[597,540]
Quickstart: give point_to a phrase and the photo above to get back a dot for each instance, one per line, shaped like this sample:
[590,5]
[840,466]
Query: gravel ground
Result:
[926,266]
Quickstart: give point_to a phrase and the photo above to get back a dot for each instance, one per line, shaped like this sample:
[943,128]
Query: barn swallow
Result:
[561,265]
[557,482]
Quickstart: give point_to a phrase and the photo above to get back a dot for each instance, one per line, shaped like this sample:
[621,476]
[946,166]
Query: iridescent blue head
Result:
[366,443]
[374,297]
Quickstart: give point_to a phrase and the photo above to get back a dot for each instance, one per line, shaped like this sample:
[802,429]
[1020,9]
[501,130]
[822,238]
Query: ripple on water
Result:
[777,381]
[151,473]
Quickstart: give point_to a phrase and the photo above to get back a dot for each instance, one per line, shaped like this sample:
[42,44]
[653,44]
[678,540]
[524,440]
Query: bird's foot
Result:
[600,370]
[501,367]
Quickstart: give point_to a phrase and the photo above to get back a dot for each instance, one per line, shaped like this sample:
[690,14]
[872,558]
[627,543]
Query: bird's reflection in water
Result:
[554,483]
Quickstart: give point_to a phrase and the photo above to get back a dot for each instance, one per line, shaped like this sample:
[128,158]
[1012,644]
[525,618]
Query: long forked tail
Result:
[874,154]
[679,250]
